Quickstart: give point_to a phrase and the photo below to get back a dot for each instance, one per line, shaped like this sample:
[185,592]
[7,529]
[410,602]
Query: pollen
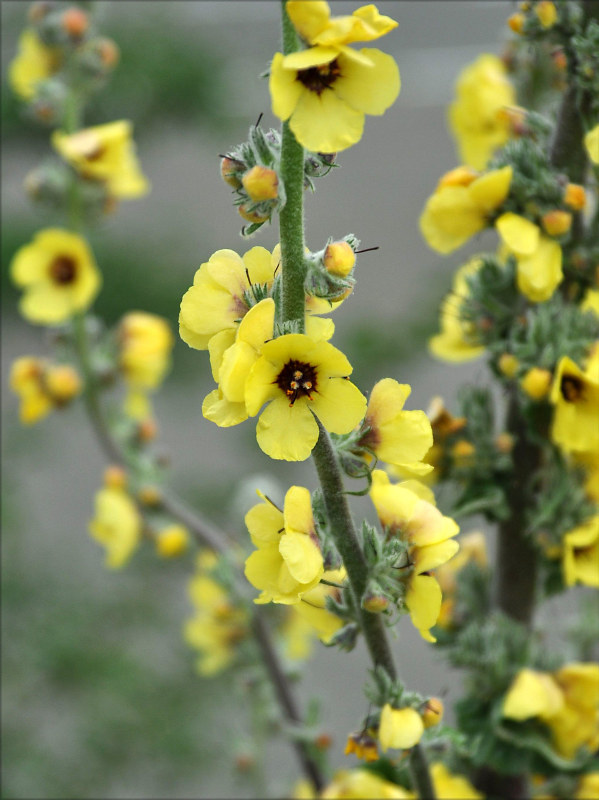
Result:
[297,379]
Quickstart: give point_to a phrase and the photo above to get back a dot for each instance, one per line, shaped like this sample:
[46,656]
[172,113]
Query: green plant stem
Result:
[292,214]
[327,467]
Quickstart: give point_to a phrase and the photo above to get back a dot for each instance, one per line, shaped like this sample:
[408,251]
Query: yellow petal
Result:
[309,17]
[219,410]
[302,556]
[339,405]
[400,728]
[285,89]
[532,694]
[519,234]
[370,90]
[326,123]
[312,57]
[298,510]
[423,600]
[539,274]
[490,190]
[287,433]
[265,524]
[591,142]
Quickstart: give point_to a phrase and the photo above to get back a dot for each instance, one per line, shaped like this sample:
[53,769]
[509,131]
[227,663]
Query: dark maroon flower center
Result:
[63,270]
[317,79]
[571,388]
[297,379]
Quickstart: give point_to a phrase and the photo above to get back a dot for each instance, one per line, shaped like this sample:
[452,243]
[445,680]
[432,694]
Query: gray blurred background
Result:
[100,697]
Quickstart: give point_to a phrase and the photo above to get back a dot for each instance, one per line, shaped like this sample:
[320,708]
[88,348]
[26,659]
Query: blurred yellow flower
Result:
[476,117]
[172,541]
[538,258]
[218,626]
[42,387]
[449,786]
[396,436]
[457,211]
[567,701]
[312,20]
[34,63]
[145,344]
[59,275]
[288,561]
[457,340]
[105,153]
[301,378]
[404,513]
[591,142]
[116,525]
[357,784]
[580,559]
[575,396]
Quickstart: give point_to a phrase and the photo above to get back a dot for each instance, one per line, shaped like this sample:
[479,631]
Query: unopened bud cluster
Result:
[329,273]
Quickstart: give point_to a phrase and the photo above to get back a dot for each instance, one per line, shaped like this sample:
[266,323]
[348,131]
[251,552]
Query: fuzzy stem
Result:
[292,215]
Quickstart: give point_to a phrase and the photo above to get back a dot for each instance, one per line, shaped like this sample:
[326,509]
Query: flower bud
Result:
[339,259]
[557,222]
[504,442]
[508,364]
[115,477]
[75,22]
[516,22]
[108,51]
[375,603]
[560,60]
[230,169]
[149,495]
[261,183]
[575,196]
[460,176]
[172,541]
[536,383]
[462,453]
[62,382]
[546,13]
[251,214]
[433,712]
[147,429]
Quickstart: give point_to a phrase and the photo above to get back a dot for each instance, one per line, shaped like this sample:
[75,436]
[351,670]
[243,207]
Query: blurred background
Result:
[100,697]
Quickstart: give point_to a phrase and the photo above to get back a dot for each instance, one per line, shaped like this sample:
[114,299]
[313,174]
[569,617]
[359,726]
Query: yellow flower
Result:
[358,784]
[428,533]
[33,64]
[546,13]
[301,378]
[567,701]
[538,258]
[59,275]
[116,525]
[591,142]
[312,606]
[575,395]
[476,117]
[362,745]
[456,212]
[588,787]
[42,387]
[172,541]
[145,342]
[580,558]
[326,91]
[224,288]
[288,561]
[536,383]
[218,625]
[590,301]
[399,437]
[449,786]
[457,341]
[400,728]
[313,22]
[105,153]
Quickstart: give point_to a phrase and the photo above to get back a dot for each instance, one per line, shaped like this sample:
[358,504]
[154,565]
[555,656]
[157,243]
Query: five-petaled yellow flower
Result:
[59,275]
[105,153]
[326,90]
[301,378]
[288,562]
[399,437]
[477,117]
[407,511]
